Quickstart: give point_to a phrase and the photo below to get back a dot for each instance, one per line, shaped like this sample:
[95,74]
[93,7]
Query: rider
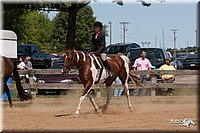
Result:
[98,45]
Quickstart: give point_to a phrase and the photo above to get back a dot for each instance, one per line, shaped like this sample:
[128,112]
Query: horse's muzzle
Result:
[65,70]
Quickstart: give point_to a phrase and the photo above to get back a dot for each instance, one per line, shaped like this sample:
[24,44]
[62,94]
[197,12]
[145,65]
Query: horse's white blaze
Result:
[66,57]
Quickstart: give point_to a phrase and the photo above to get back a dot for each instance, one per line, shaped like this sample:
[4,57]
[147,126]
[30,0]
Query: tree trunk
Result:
[71,27]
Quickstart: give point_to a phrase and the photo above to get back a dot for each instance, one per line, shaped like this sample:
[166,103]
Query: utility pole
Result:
[163,38]
[156,42]
[187,46]
[121,33]
[124,30]
[160,44]
[196,40]
[174,31]
[110,32]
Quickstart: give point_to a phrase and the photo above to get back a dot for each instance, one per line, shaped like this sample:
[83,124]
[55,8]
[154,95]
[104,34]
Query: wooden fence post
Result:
[153,90]
[33,86]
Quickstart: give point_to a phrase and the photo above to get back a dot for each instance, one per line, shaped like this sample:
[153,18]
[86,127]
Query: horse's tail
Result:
[133,77]
[23,95]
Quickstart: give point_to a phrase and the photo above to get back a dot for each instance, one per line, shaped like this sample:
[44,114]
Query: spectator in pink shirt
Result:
[142,63]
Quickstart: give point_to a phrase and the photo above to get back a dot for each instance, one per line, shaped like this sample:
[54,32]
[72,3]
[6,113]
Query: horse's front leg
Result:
[87,88]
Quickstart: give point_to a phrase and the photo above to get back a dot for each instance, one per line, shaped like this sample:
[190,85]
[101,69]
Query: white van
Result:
[8,44]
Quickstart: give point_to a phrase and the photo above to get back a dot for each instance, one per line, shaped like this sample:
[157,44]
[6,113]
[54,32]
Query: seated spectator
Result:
[28,63]
[167,78]
[22,64]
[142,63]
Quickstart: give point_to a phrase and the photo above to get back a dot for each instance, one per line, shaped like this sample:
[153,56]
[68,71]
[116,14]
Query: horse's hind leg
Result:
[8,94]
[108,95]
[93,102]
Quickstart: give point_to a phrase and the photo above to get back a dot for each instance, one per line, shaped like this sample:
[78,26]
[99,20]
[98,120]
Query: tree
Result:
[71,8]
[36,29]
[84,26]
[59,32]
[13,20]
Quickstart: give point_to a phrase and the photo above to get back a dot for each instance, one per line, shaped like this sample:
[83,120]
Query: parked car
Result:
[156,56]
[192,62]
[182,55]
[38,59]
[59,78]
[170,56]
[178,64]
[121,48]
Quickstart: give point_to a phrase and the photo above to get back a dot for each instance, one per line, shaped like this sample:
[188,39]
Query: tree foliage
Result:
[84,26]
[36,30]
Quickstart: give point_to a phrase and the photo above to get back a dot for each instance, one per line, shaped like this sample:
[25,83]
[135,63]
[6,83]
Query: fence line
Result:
[64,86]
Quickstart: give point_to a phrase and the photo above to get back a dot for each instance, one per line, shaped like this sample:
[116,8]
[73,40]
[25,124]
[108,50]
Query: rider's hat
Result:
[98,24]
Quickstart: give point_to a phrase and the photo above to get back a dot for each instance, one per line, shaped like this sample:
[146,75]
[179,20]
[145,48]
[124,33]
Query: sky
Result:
[145,23]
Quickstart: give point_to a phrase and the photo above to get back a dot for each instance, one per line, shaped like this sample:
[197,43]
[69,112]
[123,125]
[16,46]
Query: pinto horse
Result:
[8,68]
[88,74]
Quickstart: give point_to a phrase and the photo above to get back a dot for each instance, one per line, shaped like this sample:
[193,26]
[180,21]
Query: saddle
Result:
[97,61]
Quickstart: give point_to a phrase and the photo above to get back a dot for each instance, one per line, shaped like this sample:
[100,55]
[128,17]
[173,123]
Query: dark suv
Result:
[156,56]
[37,58]
[121,48]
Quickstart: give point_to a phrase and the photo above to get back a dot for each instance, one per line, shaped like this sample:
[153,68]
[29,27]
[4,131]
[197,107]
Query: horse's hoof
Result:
[104,107]
[98,111]
[131,109]
[77,113]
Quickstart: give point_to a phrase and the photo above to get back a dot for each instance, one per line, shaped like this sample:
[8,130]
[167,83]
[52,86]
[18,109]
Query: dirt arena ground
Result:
[150,114]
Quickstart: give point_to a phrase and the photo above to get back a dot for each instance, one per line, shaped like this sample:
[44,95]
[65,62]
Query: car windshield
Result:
[23,49]
[117,49]
[154,55]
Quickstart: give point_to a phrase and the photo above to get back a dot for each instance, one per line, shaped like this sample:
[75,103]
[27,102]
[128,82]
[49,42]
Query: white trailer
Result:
[8,44]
